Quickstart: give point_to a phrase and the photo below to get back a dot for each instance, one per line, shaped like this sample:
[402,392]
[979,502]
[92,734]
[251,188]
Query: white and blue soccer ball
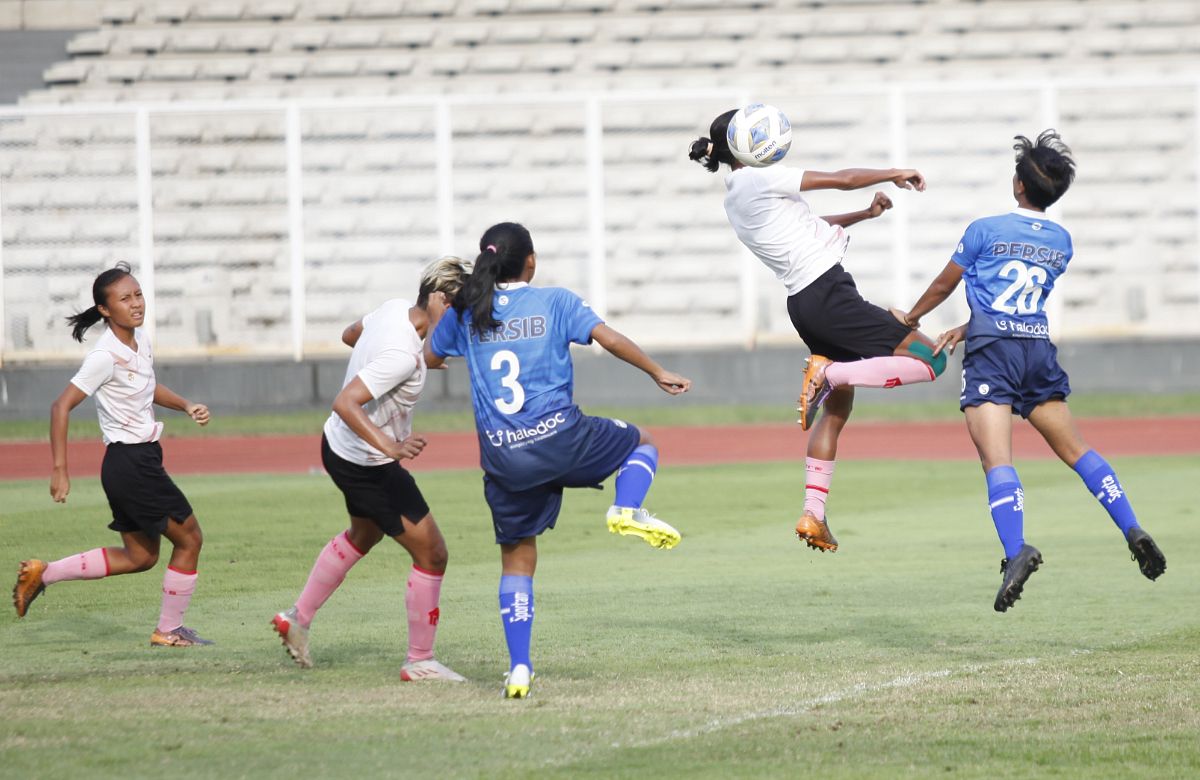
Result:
[759,135]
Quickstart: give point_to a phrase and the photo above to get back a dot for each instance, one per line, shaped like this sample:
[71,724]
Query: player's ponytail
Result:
[711,152]
[85,319]
[503,249]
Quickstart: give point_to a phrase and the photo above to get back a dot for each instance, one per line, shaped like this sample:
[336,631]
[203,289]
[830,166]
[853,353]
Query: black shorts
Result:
[140,493]
[835,321]
[382,494]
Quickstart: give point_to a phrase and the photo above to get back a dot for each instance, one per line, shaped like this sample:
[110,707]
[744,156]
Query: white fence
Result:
[263,228]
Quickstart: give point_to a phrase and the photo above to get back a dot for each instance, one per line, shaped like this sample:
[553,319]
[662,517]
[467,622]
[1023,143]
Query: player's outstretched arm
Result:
[857,178]
[60,420]
[619,345]
[937,291]
[879,204]
[169,399]
[950,339]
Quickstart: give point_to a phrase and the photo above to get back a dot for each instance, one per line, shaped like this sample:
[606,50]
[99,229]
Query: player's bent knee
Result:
[923,352]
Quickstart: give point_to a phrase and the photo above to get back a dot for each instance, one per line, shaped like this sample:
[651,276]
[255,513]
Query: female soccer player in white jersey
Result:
[146,504]
[1010,263]
[366,436]
[534,441]
[770,216]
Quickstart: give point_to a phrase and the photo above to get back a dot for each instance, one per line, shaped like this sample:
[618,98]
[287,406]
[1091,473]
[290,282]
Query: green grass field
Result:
[738,654]
[84,426]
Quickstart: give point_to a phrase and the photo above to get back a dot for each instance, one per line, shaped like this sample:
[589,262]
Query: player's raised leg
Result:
[990,426]
[1053,421]
[627,516]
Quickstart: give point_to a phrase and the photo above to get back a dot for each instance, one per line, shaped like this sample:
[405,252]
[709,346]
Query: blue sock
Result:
[1007,502]
[635,475]
[516,612]
[1102,481]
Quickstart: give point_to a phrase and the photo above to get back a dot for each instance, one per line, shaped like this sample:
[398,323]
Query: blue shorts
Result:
[1022,373]
[587,461]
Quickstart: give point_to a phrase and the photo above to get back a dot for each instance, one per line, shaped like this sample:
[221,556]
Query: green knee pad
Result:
[923,351]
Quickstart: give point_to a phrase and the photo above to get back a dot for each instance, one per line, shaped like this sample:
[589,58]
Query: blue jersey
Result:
[522,378]
[1010,263]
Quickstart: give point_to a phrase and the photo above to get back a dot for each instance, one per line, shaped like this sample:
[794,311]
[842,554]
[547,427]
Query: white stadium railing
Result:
[264,227]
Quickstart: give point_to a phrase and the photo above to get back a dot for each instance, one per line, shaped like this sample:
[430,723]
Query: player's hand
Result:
[673,383]
[902,315]
[950,339]
[198,412]
[409,448]
[909,179]
[60,486]
[879,204]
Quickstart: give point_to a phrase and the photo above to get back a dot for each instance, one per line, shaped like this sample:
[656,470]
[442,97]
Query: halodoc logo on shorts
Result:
[519,436]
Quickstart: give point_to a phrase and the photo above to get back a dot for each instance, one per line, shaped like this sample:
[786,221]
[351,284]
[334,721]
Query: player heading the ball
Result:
[767,210]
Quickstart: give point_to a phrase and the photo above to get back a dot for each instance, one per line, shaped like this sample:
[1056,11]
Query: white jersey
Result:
[122,382]
[389,361]
[773,220]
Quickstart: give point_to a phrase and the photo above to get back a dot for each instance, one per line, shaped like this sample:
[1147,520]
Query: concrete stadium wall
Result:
[762,376]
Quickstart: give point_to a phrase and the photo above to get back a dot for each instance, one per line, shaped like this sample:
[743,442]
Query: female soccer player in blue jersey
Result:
[533,440]
[1010,263]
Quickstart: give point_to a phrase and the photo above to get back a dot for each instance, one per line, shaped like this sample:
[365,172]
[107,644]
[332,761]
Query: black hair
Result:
[88,317]
[1045,167]
[711,152]
[502,252]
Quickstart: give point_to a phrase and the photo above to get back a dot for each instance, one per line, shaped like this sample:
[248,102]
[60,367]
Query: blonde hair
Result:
[446,275]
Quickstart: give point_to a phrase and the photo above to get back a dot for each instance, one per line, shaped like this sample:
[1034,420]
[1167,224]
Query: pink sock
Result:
[424,588]
[891,371]
[90,565]
[816,487]
[178,587]
[327,573]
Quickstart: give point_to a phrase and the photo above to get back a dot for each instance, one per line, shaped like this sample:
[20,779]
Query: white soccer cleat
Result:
[294,636]
[417,671]
[517,682]
[628,521]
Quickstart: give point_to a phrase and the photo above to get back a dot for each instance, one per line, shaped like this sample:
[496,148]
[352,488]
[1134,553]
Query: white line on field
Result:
[807,705]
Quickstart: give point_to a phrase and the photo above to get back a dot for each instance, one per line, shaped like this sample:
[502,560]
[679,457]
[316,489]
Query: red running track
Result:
[693,446]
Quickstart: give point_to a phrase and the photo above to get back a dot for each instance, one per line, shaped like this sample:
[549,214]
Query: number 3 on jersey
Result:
[1026,288]
[506,360]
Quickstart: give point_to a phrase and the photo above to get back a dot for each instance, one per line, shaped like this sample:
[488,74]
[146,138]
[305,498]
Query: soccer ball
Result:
[759,135]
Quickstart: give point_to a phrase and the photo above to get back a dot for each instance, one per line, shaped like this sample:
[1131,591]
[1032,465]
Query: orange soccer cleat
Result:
[815,533]
[814,391]
[29,584]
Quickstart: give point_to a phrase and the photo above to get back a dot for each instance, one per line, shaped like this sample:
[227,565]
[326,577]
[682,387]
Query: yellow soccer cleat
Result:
[628,521]
[517,682]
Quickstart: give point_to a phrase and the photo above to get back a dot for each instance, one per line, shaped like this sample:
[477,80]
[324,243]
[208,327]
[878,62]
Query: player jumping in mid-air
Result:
[365,437]
[1010,263]
[771,217]
[533,440]
[146,505]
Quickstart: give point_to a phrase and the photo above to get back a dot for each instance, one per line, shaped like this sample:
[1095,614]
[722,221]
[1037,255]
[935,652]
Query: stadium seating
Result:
[69,195]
